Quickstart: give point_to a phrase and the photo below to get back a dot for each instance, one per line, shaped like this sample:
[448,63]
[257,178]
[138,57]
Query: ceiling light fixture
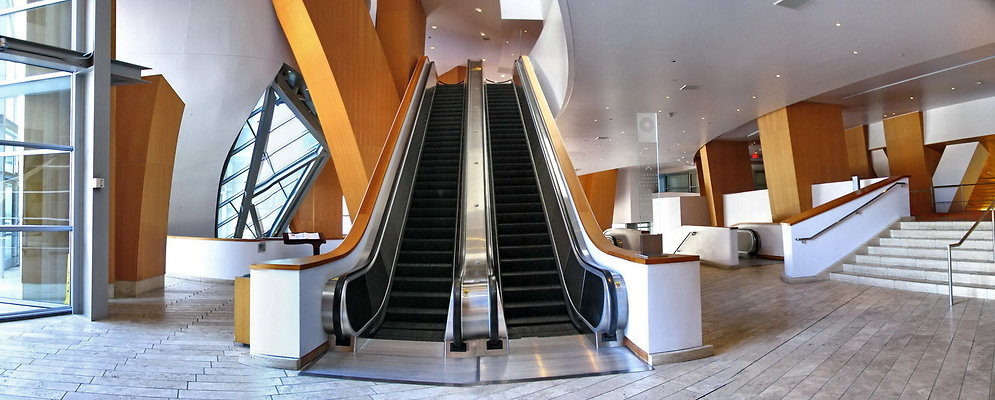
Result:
[483,59]
[855,52]
[595,120]
[953,88]
[483,34]
[777,76]
[478,9]
[435,27]
[754,97]
[839,24]
[502,75]
[431,47]
[912,98]
[607,108]
[738,110]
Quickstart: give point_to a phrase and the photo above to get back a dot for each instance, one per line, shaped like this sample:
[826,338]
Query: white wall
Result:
[953,165]
[714,245]
[670,212]
[218,56]
[959,121]
[875,136]
[823,193]
[227,259]
[551,58]
[810,258]
[879,160]
[752,206]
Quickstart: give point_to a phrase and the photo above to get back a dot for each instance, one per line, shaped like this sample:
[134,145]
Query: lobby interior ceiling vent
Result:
[792,4]
[690,87]
[601,138]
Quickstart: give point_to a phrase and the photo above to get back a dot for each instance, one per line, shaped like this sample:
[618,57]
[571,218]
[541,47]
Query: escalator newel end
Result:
[495,344]
[457,347]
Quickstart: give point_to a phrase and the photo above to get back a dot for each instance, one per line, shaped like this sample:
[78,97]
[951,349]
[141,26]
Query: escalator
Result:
[534,302]
[418,303]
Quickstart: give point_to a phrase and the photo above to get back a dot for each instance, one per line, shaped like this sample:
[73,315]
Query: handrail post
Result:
[991,210]
[950,276]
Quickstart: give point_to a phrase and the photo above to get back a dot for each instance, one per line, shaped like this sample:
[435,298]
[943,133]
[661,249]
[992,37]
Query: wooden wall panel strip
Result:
[321,209]
[726,168]
[600,188]
[803,145]
[401,27]
[857,154]
[453,76]
[908,155]
[340,54]
[144,147]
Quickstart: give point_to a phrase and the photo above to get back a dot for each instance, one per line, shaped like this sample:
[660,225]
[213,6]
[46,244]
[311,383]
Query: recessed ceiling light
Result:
[595,120]
[526,31]
[483,59]
[478,9]
[502,75]
[737,110]
[754,97]
[659,111]
[668,97]
[607,108]
[912,98]
[953,88]
[684,131]
[507,41]
[855,52]
[777,76]
[431,47]
[977,83]
[483,34]
[839,24]
[435,27]
[702,118]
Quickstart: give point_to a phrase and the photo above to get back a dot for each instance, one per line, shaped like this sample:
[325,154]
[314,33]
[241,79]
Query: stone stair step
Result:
[951,235]
[934,243]
[963,226]
[928,274]
[927,286]
[957,254]
[920,262]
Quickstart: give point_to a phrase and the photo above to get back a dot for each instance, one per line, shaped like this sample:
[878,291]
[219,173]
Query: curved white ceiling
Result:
[631,55]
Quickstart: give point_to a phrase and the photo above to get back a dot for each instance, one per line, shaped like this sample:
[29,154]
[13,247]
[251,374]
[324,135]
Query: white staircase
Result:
[913,256]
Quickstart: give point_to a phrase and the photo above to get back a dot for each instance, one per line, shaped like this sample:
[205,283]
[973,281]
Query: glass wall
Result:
[36,162]
[275,157]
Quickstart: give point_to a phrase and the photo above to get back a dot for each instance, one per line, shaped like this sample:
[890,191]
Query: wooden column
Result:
[455,75]
[857,155]
[401,27]
[803,145]
[321,209]
[908,155]
[726,169]
[147,123]
[350,81]
[599,188]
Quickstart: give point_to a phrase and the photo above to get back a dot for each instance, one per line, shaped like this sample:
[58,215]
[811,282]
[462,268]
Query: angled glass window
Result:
[274,160]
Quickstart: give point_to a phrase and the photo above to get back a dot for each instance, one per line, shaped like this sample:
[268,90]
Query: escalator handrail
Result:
[494,257]
[584,211]
[454,293]
[340,313]
[361,222]
[607,278]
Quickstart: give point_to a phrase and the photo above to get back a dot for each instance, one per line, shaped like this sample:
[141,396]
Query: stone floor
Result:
[773,340]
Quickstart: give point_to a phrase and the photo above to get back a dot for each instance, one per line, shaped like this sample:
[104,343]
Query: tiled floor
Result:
[773,340]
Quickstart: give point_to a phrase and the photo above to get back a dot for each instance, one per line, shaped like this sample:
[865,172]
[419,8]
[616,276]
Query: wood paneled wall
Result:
[908,155]
[455,75]
[599,188]
[147,122]
[726,169]
[350,80]
[401,27]
[803,145]
[321,209]
[857,155]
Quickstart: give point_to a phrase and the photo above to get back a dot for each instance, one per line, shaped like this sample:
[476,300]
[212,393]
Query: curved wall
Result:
[218,55]
[551,58]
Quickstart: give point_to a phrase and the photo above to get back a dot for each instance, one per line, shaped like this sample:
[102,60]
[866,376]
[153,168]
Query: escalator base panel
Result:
[530,359]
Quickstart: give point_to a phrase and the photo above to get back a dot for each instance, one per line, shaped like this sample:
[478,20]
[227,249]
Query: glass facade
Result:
[275,157]
[36,163]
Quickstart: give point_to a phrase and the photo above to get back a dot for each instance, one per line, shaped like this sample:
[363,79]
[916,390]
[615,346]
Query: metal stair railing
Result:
[950,250]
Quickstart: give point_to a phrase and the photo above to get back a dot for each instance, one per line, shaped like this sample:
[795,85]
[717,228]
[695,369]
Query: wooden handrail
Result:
[804,215]
[362,220]
[591,227]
